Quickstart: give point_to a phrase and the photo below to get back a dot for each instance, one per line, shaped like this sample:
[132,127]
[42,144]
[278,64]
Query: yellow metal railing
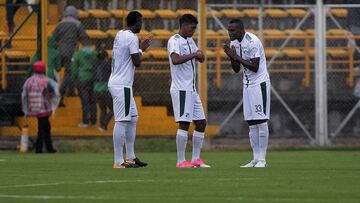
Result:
[6,51]
[218,60]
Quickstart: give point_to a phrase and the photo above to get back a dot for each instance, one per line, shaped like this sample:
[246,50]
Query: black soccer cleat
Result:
[130,164]
[139,163]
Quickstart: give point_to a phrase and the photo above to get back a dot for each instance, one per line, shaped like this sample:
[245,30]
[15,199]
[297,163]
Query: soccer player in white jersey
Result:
[247,53]
[127,53]
[183,54]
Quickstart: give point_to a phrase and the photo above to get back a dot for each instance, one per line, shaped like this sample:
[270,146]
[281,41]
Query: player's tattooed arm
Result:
[252,65]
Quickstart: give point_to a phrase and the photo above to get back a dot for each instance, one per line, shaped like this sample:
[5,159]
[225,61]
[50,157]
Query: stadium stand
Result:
[299,51]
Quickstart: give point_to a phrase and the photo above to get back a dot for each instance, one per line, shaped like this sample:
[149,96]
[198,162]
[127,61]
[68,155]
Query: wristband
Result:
[141,52]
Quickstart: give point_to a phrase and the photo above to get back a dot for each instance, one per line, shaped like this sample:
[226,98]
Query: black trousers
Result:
[44,135]
[104,100]
[88,103]
[67,83]
[11,9]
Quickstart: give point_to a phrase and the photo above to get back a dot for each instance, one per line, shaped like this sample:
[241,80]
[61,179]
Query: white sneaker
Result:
[83,125]
[251,164]
[101,129]
[260,164]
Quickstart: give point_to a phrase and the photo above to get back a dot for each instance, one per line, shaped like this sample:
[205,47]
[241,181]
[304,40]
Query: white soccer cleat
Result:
[251,164]
[260,164]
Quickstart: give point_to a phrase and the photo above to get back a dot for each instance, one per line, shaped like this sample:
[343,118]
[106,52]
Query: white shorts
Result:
[187,106]
[256,102]
[123,103]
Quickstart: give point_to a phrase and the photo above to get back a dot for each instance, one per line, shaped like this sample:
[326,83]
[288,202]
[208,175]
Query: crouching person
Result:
[40,97]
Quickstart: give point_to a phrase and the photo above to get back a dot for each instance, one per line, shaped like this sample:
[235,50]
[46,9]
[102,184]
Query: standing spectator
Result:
[11,9]
[103,98]
[40,97]
[54,60]
[82,72]
[67,35]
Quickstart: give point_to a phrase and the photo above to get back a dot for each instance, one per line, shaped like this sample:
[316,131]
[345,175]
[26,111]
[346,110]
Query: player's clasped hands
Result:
[199,56]
[145,43]
[231,52]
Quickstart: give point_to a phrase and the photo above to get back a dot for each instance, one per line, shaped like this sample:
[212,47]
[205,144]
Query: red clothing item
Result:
[38,94]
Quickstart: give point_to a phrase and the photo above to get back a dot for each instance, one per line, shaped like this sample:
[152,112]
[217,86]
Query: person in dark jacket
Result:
[67,34]
[53,59]
[82,72]
[40,97]
[103,98]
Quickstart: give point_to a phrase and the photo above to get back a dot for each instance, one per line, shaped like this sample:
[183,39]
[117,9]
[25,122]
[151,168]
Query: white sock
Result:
[119,141]
[197,141]
[181,141]
[130,138]
[254,141]
[263,140]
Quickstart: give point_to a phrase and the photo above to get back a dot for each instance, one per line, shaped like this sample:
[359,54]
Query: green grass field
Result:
[291,176]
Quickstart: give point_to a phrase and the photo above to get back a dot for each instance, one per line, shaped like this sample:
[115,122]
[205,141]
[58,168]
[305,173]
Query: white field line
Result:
[116,181]
[53,197]
[130,181]
[74,183]
[159,197]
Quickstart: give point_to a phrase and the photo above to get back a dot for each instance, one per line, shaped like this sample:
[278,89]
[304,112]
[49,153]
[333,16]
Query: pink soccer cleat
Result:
[184,164]
[200,163]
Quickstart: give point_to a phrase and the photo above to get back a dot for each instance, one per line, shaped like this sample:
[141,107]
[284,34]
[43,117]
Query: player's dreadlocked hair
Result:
[238,22]
[188,18]
[132,18]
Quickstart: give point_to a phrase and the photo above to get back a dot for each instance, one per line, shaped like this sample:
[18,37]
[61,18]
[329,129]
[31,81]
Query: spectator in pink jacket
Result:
[40,97]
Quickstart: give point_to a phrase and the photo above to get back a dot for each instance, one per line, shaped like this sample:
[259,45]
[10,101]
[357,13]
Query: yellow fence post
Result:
[202,41]
[123,14]
[3,68]
[218,63]
[306,81]
[350,78]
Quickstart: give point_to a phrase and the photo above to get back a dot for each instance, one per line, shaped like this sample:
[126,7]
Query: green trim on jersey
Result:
[127,95]
[264,95]
[182,101]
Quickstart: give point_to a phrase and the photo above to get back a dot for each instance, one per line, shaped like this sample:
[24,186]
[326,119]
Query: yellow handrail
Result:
[219,61]
[3,69]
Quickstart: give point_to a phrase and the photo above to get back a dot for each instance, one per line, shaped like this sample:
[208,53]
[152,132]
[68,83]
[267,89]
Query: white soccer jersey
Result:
[251,47]
[182,75]
[123,69]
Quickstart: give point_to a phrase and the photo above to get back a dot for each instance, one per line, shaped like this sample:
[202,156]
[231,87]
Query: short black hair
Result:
[188,18]
[238,22]
[132,18]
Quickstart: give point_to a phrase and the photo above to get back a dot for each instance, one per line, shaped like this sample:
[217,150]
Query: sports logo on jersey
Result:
[187,115]
[247,37]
